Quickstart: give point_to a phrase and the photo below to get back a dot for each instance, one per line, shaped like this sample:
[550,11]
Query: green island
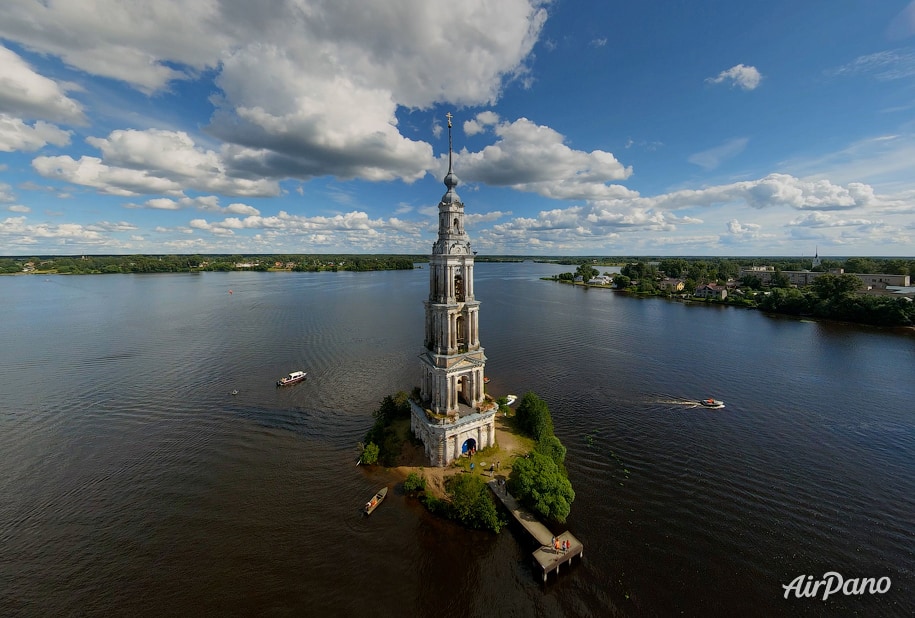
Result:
[832,289]
[527,456]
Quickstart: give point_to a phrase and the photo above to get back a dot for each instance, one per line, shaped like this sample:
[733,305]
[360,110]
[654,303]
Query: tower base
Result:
[447,438]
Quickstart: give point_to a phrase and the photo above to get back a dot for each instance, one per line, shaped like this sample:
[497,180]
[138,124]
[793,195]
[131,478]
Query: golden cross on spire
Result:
[448,116]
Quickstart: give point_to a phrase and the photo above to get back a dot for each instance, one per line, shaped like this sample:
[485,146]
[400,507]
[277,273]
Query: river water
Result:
[132,482]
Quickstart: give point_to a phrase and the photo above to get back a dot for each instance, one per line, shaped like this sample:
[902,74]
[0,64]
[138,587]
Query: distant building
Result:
[881,281]
[600,280]
[671,285]
[711,290]
[801,278]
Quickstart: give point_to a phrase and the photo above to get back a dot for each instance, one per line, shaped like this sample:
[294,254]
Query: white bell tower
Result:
[453,414]
[453,362]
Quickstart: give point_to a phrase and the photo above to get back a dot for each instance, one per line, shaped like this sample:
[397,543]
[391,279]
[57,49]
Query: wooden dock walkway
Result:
[547,556]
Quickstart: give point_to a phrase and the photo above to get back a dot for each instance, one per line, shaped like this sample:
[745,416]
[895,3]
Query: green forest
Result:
[112,264]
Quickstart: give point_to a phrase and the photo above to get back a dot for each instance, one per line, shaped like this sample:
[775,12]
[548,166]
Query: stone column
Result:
[476,327]
[471,329]
[470,279]
[452,324]
[441,393]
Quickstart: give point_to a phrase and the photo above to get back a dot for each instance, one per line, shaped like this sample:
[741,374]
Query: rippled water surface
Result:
[132,482]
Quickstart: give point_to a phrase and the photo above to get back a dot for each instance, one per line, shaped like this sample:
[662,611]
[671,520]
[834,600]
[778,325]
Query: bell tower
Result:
[453,361]
[453,416]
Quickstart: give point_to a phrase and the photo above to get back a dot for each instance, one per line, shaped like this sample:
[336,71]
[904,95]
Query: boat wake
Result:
[691,403]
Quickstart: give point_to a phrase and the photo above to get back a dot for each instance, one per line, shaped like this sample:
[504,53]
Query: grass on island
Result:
[510,444]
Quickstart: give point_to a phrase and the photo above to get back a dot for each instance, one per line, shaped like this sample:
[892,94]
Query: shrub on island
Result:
[539,480]
[539,483]
[468,502]
[383,435]
[533,416]
[414,484]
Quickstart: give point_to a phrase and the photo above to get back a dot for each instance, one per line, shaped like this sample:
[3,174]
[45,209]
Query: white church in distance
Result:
[453,415]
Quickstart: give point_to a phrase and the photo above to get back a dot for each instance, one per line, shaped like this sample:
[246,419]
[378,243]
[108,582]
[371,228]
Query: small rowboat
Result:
[372,504]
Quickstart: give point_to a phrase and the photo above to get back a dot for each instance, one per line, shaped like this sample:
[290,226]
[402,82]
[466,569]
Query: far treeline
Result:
[710,269]
[112,264]
[830,296]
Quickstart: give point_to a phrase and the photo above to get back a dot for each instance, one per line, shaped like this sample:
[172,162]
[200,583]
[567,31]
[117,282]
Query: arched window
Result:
[459,288]
[457,227]
[460,332]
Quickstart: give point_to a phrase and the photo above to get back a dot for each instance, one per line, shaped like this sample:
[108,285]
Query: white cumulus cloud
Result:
[308,87]
[27,94]
[152,162]
[746,77]
[18,135]
[535,158]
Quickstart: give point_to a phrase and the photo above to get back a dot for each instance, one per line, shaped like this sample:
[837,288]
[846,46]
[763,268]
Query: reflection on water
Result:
[135,483]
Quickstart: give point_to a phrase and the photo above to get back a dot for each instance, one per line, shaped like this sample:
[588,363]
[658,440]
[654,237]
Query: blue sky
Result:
[580,128]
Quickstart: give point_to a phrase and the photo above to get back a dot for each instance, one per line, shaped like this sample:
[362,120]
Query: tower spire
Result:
[449,116]
[453,361]
[451,179]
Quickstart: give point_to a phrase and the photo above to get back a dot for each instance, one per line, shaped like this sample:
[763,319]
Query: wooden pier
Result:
[547,556]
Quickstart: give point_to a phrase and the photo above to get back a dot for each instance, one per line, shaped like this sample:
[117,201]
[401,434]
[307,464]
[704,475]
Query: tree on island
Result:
[369,454]
[414,484]
[552,448]
[539,483]
[472,504]
[468,501]
[586,272]
[382,442]
[539,480]
[533,417]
